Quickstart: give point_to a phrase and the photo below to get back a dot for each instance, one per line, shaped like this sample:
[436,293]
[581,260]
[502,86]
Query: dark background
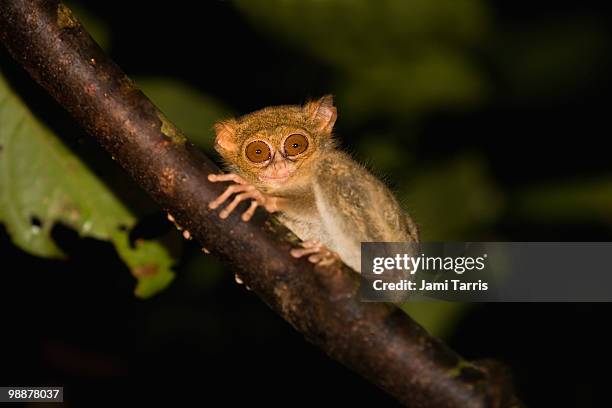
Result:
[521,156]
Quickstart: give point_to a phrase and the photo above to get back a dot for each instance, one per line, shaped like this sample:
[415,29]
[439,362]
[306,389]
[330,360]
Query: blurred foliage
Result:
[396,58]
[384,154]
[193,112]
[453,200]
[439,318]
[577,201]
[552,58]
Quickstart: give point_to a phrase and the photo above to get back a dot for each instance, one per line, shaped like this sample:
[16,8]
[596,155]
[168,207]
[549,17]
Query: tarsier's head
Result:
[268,147]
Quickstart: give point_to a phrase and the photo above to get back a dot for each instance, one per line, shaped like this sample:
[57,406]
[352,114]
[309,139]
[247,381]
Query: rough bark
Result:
[377,340]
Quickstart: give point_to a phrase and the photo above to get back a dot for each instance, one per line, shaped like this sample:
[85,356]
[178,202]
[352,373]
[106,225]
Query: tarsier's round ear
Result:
[225,140]
[322,113]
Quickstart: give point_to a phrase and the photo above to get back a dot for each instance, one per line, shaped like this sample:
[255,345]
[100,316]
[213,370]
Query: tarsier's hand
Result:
[317,253]
[244,191]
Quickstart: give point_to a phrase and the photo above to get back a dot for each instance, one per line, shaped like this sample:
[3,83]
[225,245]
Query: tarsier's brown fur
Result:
[322,195]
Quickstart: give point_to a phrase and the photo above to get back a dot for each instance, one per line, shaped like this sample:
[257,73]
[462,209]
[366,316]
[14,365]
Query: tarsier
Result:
[285,159]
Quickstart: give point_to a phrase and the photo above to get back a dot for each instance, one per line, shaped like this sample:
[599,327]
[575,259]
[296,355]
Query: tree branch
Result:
[377,340]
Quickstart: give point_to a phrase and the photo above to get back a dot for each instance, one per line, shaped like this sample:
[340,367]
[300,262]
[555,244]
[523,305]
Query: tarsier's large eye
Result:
[296,144]
[258,151]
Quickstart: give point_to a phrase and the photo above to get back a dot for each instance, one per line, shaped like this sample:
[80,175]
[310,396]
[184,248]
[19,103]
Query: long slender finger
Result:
[226,177]
[232,206]
[315,258]
[234,188]
[300,252]
[249,213]
[324,257]
[310,243]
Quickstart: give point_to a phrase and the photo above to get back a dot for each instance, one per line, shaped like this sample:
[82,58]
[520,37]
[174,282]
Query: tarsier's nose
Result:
[279,160]
[283,155]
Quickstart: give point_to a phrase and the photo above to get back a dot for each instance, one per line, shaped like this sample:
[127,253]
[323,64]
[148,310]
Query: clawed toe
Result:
[317,253]
[308,247]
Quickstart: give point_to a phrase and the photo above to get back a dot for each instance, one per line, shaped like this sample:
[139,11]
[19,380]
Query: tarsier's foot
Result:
[244,191]
[317,253]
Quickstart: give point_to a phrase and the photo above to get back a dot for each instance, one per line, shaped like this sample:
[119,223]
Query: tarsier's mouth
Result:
[278,174]
[275,179]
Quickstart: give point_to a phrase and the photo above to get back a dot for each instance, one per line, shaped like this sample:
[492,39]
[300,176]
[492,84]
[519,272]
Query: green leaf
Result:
[193,112]
[42,183]
[150,261]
